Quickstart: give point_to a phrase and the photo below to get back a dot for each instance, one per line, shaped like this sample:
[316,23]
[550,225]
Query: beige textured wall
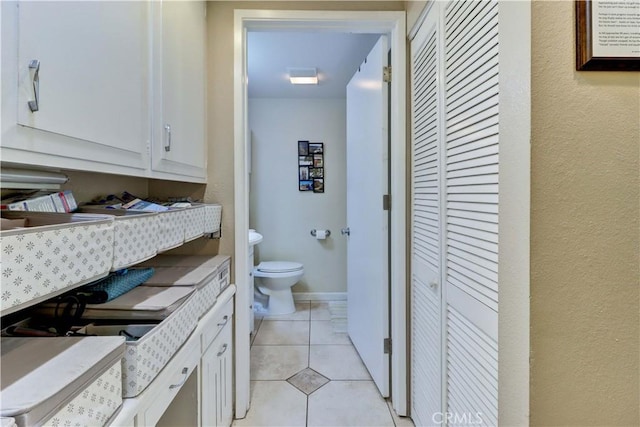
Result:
[220,92]
[585,233]
[88,185]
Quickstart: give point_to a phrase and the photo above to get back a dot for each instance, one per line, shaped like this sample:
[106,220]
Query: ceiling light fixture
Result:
[303,76]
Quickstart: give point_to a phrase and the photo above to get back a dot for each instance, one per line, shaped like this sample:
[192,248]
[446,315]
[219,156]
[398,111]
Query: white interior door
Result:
[455,141]
[472,116]
[368,222]
[426,223]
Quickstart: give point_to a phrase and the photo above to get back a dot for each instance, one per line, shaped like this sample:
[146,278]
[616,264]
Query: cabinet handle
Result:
[225,320]
[224,348]
[167,145]
[35,65]
[184,380]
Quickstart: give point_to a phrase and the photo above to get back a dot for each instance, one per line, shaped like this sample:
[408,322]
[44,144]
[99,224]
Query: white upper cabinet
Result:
[82,95]
[179,88]
[114,87]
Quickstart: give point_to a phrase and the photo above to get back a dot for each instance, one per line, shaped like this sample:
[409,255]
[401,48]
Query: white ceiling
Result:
[336,56]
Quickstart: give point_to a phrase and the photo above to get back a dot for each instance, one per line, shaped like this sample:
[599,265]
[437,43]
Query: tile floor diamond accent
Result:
[308,380]
[327,385]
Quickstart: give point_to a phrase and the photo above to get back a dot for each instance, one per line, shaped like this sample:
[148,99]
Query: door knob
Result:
[433,284]
[345,231]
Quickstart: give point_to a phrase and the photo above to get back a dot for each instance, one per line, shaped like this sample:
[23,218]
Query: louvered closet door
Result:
[471,193]
[426,330]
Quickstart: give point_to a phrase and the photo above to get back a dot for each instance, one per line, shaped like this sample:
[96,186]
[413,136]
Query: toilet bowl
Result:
[275,279]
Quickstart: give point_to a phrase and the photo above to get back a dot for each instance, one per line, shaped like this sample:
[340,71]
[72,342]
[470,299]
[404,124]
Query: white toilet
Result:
[275,279]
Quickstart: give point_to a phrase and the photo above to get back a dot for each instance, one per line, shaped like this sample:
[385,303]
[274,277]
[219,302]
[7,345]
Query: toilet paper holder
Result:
[313,232]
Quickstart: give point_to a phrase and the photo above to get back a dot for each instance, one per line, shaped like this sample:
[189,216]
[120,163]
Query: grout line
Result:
[309,343]
[393,419]
[321,386]
[306,421]
[282,345]
[309,329]
[308,362]
[336,345]
[255,334]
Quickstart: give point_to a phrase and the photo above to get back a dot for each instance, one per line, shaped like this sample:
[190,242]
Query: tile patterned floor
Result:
[303,373]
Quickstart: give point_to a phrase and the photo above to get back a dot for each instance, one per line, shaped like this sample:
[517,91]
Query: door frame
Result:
[382,22]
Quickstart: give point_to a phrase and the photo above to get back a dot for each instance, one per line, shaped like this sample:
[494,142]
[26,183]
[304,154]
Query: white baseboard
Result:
[320,296]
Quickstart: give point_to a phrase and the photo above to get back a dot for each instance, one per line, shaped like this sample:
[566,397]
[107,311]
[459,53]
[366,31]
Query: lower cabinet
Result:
[196,387]
[168,384]
[216,378]
[183,410]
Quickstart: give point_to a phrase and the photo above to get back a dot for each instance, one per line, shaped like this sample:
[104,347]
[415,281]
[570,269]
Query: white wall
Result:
[281,213]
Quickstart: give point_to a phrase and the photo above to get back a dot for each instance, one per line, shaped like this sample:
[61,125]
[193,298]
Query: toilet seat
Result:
[279,267]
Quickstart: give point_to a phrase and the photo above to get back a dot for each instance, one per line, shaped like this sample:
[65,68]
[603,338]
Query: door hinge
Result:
[387,346]
[386,202]
[386,74]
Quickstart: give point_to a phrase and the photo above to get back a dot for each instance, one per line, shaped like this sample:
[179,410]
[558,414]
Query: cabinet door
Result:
[87,63]
[217,394]
[176,380]
[225,364]
[179,89]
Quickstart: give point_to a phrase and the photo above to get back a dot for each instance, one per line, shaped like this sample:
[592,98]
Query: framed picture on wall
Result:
[303,173]
[311,166]
[316,148]
[318,185]
[316,172]
[303,148]
[607,35]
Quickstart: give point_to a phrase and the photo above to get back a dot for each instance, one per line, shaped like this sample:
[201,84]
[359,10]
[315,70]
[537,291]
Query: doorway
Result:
[393,24]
